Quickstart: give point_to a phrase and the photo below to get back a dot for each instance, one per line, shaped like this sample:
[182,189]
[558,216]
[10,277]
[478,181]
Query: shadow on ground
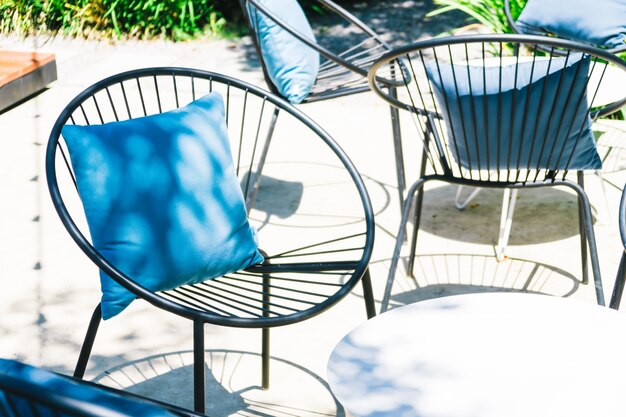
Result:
[452,274]
[541,215]
[168,377]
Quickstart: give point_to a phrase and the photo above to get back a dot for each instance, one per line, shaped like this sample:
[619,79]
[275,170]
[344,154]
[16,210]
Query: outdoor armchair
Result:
[28,391]
[290,55]
[495,111]
[163,160]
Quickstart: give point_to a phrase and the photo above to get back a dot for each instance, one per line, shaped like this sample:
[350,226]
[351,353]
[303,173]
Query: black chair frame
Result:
[439,161]
[342,73]
[289,287]
[620,279]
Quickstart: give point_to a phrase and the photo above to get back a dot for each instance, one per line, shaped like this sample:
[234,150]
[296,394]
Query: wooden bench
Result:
[23,74]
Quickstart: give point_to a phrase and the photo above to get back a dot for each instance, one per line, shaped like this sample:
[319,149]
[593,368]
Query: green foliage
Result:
[172,19]
[490,13]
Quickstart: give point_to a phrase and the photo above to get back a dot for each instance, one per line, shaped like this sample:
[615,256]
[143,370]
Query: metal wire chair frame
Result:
[200,312]
[43,400]
[345,72]
[433,139]
[620,279]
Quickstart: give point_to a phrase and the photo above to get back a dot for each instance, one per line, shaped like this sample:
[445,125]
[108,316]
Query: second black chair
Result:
[497,111]
[290,55]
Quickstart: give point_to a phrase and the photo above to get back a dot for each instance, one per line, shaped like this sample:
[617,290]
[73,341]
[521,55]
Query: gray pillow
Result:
[599,22]
[489,127]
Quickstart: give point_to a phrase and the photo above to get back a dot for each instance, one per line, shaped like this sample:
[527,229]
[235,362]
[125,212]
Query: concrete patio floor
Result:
[50,288]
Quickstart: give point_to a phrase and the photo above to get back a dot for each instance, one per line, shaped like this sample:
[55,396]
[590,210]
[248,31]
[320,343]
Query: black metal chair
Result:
[343,70]
[494,111]
[317,240]
[620,279]
[27,391]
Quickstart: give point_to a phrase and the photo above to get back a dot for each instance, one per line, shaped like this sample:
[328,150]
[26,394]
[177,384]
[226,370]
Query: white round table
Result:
[485,355]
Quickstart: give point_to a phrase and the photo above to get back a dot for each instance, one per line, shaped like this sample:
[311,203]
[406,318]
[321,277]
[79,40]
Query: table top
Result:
[484,355]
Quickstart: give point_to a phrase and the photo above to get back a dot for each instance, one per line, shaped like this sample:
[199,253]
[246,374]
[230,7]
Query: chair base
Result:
[416,192]
[199,367]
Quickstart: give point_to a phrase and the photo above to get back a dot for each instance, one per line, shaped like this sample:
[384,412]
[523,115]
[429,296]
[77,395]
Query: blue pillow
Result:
[161,199]
[488,130]
[291,64]
[599,22]
[54,384]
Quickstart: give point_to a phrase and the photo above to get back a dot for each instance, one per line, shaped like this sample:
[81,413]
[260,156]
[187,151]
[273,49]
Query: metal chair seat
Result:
[335,79]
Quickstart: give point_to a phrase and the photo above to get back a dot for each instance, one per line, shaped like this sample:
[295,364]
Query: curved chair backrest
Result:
[314,256]
[600,27]
[26,391]
[495,108]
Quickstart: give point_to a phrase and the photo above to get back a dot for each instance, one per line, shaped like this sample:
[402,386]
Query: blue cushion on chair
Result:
[161,198]
[598,22]
[291,64]
[52,384]
[491,131]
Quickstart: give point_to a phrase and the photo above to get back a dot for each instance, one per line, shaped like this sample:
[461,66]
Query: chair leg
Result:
[605,198]
[254,179]
[419,198]
[265,332]
[397,145]
[406,207]
[618,288]
[418,202]
[368,294]
[581,227]
[506,219]
[90,337]
[198,367]
[590,240]
[462,204]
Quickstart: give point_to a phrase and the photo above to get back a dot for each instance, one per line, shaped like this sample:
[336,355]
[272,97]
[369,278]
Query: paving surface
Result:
[50,288]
